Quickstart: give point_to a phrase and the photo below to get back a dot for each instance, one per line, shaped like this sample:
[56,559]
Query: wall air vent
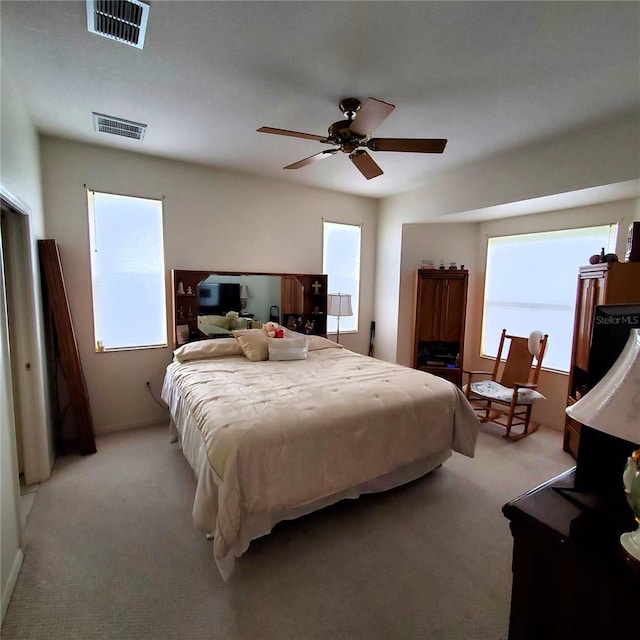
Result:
[118,126]
[121,20]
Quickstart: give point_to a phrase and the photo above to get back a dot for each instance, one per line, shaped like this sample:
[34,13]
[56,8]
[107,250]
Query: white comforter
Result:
[278,435]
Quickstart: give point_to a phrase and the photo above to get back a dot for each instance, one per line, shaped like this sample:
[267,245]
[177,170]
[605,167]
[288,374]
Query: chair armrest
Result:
[524,385]
[473,373]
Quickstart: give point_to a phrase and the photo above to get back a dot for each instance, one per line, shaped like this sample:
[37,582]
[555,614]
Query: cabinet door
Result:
[429,309]
[453,301]
[592,293]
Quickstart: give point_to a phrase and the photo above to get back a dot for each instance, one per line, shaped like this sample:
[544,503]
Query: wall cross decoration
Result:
[316,286]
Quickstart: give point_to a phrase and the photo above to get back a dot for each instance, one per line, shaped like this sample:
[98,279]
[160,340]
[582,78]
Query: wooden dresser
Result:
[438,322]
[572,579]
[605,283]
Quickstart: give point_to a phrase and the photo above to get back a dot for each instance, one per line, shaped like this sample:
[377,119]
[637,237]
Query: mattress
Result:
[273,440]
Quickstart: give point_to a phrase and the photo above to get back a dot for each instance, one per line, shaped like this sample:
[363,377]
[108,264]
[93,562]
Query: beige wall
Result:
[20,178]
[552,384]
[601,154]
[213,219]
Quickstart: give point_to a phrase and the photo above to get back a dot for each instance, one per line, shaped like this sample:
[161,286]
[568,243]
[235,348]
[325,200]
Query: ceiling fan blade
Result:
[411,145]
[313,158]
[293,134]
[366,164]
[370,115]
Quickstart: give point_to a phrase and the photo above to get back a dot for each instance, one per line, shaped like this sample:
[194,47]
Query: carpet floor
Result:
[111,552]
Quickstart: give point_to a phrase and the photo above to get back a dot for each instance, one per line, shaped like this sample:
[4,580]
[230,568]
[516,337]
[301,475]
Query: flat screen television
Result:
[218,298]
[601,457]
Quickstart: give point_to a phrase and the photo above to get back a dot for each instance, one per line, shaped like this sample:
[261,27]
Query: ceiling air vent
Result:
[118,126]
[121,20]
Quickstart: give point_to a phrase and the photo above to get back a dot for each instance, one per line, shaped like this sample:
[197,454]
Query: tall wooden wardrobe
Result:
[438,323]
[604,283]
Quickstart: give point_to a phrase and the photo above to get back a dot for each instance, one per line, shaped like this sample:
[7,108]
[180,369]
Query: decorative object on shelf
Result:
[611,257]
[594,259]
[339,305]
[631,482]
[427,264]
[189,291]
[612,408]
[317,288]
[453,265]
[182,334]
[180,288]
[441,265]
[244,296]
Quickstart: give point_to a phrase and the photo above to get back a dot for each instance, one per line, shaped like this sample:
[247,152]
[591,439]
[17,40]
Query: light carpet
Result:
[111,552]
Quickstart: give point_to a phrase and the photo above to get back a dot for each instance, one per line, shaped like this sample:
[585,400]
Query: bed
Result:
[270,440]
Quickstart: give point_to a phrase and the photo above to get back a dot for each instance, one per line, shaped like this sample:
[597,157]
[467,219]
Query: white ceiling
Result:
[489,76]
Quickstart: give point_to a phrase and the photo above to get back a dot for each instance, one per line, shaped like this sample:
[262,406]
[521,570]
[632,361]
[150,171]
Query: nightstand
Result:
[571,577]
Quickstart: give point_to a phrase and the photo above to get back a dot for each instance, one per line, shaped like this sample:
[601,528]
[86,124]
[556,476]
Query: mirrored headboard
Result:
[202,302]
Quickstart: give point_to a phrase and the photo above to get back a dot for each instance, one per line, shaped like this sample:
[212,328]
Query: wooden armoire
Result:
[604,283]
[438,322]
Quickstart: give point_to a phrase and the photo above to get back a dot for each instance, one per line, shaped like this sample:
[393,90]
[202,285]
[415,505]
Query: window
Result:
[127,272]
[341,263]
[530,284]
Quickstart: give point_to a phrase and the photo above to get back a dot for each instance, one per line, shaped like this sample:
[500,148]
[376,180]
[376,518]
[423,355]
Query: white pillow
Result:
[288,348]
[202,349]
[315,342]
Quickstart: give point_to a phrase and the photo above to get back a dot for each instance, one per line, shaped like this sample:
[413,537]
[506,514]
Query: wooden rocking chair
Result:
[507,398]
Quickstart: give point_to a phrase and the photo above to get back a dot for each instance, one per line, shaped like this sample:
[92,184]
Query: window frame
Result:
[94,277]
[355,299]
[613,228]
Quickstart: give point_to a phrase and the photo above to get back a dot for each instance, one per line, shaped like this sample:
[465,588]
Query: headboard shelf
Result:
[299,301]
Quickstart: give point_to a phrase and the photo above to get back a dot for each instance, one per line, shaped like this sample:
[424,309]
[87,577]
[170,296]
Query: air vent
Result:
[121,20]
[118,126]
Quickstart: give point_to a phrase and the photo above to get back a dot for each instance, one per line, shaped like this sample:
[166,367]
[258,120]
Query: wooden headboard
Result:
[299,300]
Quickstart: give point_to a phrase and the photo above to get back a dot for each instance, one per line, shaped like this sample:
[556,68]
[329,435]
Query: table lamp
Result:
[613,407]
[244,296]
[339,305]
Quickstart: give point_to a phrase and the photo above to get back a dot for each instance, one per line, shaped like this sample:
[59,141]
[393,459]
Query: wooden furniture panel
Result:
[571,577]
[606,283]
[439,321]
[302,294]
[79,436]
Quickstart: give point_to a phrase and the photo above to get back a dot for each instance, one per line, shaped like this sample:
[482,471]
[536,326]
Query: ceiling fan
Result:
[353,136]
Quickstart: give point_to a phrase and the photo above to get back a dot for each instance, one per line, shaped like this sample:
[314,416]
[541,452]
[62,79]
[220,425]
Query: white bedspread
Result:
[279,435]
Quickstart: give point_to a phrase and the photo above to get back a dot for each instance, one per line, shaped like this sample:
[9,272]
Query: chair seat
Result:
[494,391]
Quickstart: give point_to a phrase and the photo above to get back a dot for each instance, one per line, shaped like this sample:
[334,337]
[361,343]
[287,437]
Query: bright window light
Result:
[127,272]
[531,282]
[341,263]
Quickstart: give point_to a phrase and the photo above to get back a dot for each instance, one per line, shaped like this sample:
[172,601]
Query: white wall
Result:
[602,154]
[448,242]
[213,219]
[553,385]
[20,176]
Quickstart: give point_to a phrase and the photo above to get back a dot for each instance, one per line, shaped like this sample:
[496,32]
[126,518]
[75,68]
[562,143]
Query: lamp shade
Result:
[244,292]
[613,405]
[339,304]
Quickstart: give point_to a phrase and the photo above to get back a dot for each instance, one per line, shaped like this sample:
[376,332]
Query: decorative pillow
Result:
[253,343]
[287,348]
[202,349]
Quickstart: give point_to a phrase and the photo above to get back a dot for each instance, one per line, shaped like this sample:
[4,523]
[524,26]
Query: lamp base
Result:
[631,543]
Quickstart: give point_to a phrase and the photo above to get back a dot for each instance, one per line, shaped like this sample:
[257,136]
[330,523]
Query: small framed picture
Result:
[182,334]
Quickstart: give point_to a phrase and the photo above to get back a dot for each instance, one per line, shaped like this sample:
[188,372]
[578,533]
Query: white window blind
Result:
[127,272]
[341,263]
[530,284]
